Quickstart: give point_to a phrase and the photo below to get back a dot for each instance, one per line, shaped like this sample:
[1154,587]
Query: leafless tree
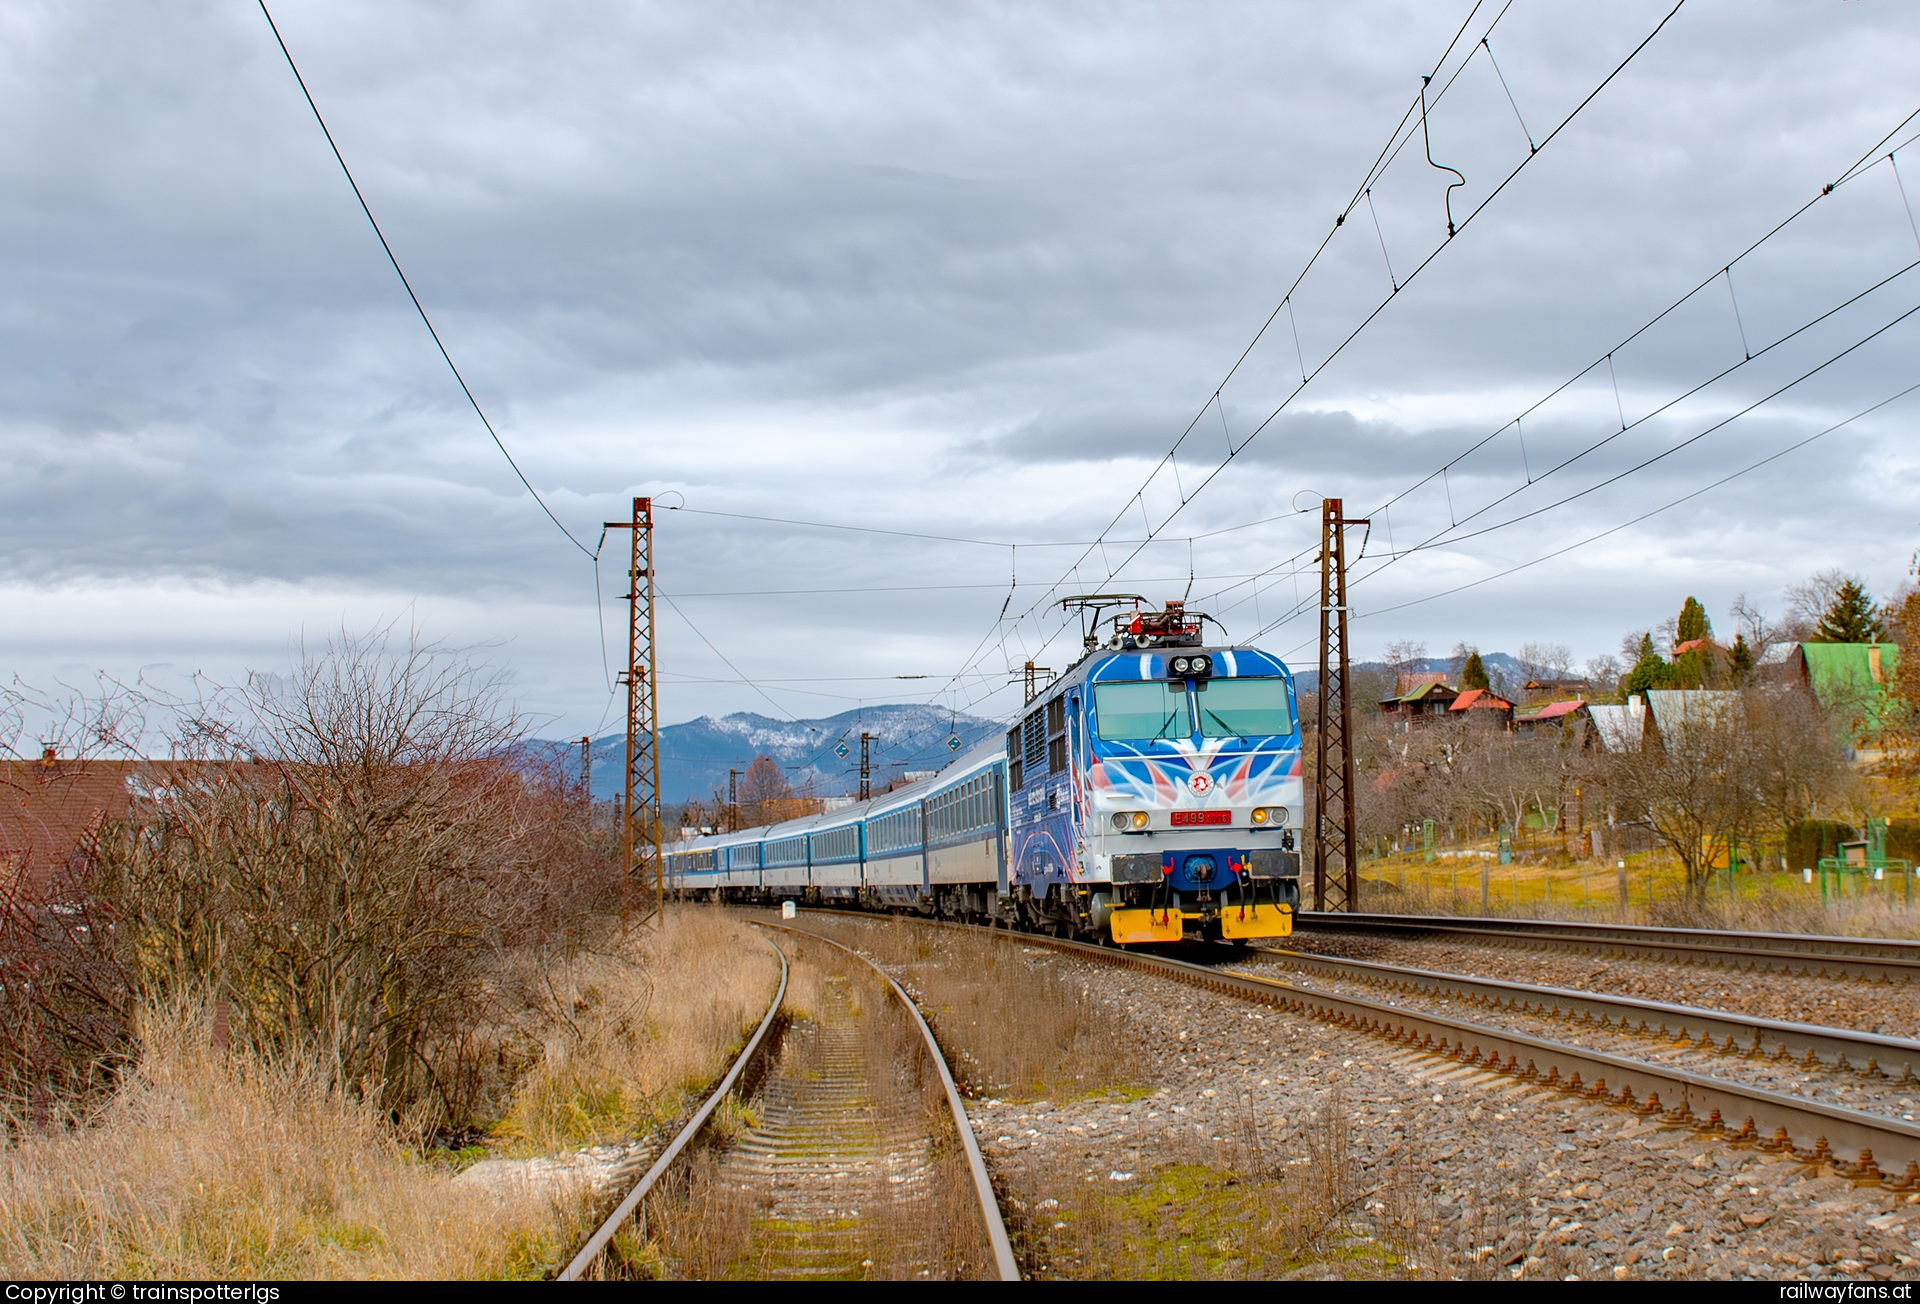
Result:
[1808,601]
[1545,660]
[1752,624]
[1603,672]
[1789,755]
[1692,785]
[348,858]
[1404,657]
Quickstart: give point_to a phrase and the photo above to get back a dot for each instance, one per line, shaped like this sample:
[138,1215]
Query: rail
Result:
[1887,959]
[1808,1129]
[996,1227]
[1844,1047]
[596,1245]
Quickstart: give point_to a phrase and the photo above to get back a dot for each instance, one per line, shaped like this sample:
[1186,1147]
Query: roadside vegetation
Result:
[1711,811]
[349,938]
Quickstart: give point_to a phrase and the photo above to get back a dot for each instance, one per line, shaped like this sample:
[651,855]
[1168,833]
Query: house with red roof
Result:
[1482,704]
[1561,715]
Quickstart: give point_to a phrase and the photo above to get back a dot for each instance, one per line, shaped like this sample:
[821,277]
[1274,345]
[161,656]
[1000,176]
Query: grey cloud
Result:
[1010,251]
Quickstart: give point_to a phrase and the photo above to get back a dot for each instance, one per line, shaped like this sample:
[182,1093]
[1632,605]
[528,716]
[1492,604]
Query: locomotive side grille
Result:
[1033,740]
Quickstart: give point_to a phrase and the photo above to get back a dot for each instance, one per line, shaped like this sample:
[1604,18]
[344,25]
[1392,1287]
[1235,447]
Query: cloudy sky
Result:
[944,270]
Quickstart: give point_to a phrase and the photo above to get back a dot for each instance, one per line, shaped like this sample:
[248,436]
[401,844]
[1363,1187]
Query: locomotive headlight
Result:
[1200,667]
[1125,820]
[1179,666]
[1264,816]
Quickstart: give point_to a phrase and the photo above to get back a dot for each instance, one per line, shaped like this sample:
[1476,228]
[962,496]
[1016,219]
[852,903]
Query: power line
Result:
[1214,399]
[1664,507]
[1850,174]
[1872,157]
[408,285]
[1665,453]
[1300,609]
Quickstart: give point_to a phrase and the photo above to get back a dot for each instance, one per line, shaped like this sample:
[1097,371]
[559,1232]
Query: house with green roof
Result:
[1851,680]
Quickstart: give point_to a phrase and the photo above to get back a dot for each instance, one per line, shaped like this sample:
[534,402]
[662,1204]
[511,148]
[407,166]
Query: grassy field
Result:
[1649,889]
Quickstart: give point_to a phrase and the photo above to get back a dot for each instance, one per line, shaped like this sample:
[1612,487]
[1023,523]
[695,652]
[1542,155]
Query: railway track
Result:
[1860,1144]
[1862,1069]
[826,1153]
[1877,959]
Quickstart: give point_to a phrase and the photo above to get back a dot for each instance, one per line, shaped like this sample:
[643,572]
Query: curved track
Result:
[996,1227]
[1736,1112]
[797,1153]
[1879,959]
[589,1259]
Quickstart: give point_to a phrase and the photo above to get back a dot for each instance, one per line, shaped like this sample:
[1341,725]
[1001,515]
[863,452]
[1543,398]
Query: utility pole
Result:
[586,772]
[866,766]
[733,801]
[1335,886]
[641,847]
[1033,682]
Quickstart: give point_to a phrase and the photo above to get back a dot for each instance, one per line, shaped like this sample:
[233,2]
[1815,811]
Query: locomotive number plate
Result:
[1190,818]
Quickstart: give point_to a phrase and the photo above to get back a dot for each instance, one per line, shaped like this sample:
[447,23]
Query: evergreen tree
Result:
[1648,672]
[1474,673]
[1739,660]
[1693,622]
[1851,617]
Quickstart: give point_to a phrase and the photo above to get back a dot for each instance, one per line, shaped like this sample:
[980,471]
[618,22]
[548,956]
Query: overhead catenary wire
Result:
[1865,161]
[1356,582]
[407,285]
[1186,497]
[1644,516]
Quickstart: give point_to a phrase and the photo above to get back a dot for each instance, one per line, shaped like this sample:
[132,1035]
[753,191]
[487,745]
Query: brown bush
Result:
[349,860]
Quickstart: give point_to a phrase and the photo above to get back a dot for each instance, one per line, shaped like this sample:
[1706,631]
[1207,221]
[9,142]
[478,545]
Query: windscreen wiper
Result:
[1224,725]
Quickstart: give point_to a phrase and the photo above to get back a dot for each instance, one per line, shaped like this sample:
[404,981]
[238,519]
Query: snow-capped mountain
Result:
[695,756]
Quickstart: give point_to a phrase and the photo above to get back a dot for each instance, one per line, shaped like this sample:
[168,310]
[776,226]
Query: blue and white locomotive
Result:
[1151,793]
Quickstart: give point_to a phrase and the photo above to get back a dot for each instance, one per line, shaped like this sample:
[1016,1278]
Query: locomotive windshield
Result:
[1243,708]
[1142,711]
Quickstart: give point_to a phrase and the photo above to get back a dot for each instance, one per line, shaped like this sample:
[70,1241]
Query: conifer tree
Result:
[1474,673]
[1693,622]
[1739,660]
[1851,617]
[1648,672]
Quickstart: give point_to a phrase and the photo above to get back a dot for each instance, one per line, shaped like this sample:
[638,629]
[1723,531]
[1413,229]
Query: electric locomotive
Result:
[1151,793]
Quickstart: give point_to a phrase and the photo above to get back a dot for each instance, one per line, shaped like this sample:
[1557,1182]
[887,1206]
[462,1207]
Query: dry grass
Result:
[212,1163]
[629,1033]
[1656,894]
[217,1164]
[964,981]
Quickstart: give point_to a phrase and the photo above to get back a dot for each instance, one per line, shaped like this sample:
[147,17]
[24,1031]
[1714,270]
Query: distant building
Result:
[1428,700]
[1852,680]
[48,809]
[1617,728]
[1558,714]
[1482,704]
[1540,691]
[1676,711]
